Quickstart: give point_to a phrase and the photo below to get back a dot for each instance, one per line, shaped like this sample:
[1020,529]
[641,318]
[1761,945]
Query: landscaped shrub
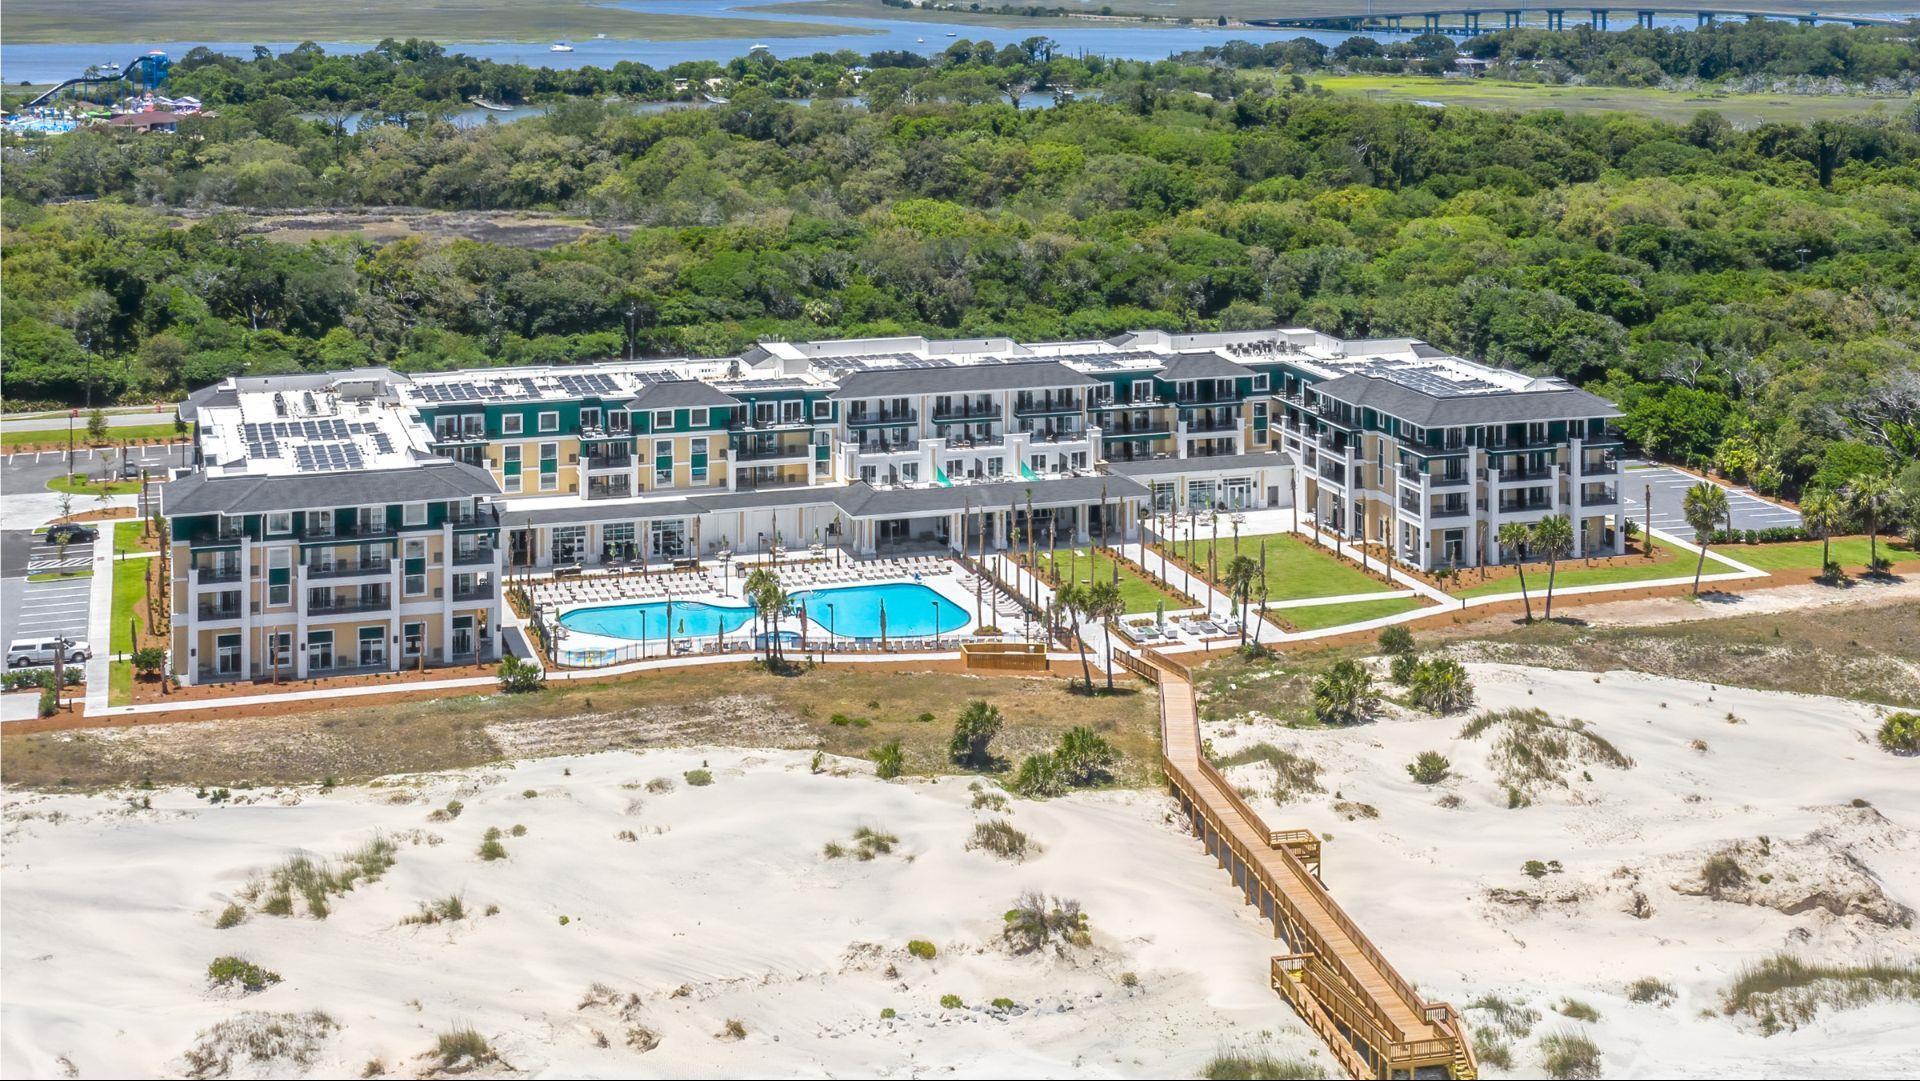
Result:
[1038,777]
[1396,640]
[973,735]
[518,676]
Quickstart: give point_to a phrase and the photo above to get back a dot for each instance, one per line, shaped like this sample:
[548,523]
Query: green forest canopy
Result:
[1747,296]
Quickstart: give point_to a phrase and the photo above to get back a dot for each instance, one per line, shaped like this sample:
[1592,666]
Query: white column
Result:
[246,606]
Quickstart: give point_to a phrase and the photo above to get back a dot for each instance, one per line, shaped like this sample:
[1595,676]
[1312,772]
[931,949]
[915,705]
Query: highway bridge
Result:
[1469,20]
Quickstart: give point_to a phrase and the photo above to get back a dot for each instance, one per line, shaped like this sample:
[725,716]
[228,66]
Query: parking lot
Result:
[1669,491]
[30,609]
[29,471]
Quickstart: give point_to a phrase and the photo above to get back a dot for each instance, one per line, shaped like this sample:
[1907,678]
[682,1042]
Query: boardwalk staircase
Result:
[1334,977]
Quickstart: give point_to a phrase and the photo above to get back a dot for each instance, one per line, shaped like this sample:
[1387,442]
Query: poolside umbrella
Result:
[883,625]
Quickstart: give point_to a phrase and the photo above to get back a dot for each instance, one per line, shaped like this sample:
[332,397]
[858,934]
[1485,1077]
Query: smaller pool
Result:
[649,620]
[912,610]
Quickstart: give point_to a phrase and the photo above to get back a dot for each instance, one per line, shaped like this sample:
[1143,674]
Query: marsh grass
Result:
[446,909]
[1259,1066]
[463,1046]
[1516,1019]
[1569,1055]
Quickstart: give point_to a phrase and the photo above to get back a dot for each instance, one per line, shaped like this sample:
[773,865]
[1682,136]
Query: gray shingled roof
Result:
[1203,366]
[1153,467]
[199,493]
[960,379]
[1393,399]
[681,394]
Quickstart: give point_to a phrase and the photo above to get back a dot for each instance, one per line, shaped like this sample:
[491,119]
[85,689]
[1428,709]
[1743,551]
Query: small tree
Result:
[1900,733]
[973,734]
[1038,777]
[1876,499]
[1105,604]
[1242,574]
[97,426]
[149,661]
[1344,694]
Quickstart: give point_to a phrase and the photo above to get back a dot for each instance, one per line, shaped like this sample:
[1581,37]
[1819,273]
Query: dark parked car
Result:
[72,533]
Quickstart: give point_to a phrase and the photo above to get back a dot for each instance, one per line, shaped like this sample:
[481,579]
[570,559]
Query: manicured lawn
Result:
[1295,568]
[78,485]
[1675,562]
[127,537]
[1087,565]
[119,683]
[1850,552]
[1315,617]
[129,589]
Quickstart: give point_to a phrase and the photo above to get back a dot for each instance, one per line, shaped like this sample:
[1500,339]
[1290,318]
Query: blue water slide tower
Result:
[153,70]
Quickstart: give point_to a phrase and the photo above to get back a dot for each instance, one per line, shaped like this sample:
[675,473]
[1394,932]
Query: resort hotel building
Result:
[363,521]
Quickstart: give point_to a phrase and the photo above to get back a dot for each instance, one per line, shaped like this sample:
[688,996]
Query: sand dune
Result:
[630,918]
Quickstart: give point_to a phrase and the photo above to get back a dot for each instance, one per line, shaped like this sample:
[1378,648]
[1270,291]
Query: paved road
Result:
[131,417]
[1670,486]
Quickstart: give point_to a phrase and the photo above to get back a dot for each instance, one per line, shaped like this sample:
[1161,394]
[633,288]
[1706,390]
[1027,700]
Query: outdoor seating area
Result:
[1179,630]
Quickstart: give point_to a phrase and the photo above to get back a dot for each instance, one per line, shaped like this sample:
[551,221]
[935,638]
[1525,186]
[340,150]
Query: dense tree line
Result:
[1748,296]
[1633,57]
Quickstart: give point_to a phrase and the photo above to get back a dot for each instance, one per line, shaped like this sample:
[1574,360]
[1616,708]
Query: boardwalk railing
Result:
[1339,982]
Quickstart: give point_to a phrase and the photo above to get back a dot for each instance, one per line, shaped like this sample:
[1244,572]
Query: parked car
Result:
[129,470]
[31,652]
[72,533]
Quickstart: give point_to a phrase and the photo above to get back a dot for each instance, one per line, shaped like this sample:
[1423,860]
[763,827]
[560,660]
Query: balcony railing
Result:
[1214,424]
[342,606]
[875,417]
[212,612]
[754,452]
[349,570]
[474,593]
[1601,498]
[976,411]
[607,461]
[459,435]
[473,556]
[768,424]
[204,575]
[887,446]
[1035,406]
[347,530]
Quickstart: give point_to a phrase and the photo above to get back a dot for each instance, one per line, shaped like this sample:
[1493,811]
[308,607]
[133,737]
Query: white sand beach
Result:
[673,912]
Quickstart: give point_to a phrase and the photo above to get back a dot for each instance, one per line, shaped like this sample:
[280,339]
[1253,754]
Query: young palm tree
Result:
[1105,605]
[1243,573]
[1344,694]
[1514,538]
[1554,536]
[1705,506]
[1873,498]
[1822,512]
[1070,602]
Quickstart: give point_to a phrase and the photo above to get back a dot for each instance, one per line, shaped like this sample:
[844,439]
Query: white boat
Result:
[492,107]
[560,47]
[599,35]
[920,41]
[953,33]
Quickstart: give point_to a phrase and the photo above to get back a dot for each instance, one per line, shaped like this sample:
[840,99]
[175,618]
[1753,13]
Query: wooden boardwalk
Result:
[1374,1022]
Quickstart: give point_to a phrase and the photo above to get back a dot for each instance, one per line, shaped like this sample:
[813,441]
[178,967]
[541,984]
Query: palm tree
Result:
[1874,498]
[1554,536]
[1705,506]
[1344,694]
[1070,602]
[1514,538]
[1822,511]
[1105,605]
[770,602]
[1243,572]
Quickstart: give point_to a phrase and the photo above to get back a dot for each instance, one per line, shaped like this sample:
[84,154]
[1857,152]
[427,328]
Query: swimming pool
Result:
[649,620]
[913,611]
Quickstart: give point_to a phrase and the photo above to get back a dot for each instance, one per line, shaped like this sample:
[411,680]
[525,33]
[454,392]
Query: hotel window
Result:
[415,581]
[549,457]
[512,424]
[1142,390]
[549,421]
[697,418]
[413,514]
[280,524]
[663,461]
[619,421]
[589,417]
[1260,381]
[413,638]
[663,420]
[549,482]
[822,409]
[280,577]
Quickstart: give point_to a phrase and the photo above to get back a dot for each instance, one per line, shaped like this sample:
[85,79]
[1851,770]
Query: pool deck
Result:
[727,589]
